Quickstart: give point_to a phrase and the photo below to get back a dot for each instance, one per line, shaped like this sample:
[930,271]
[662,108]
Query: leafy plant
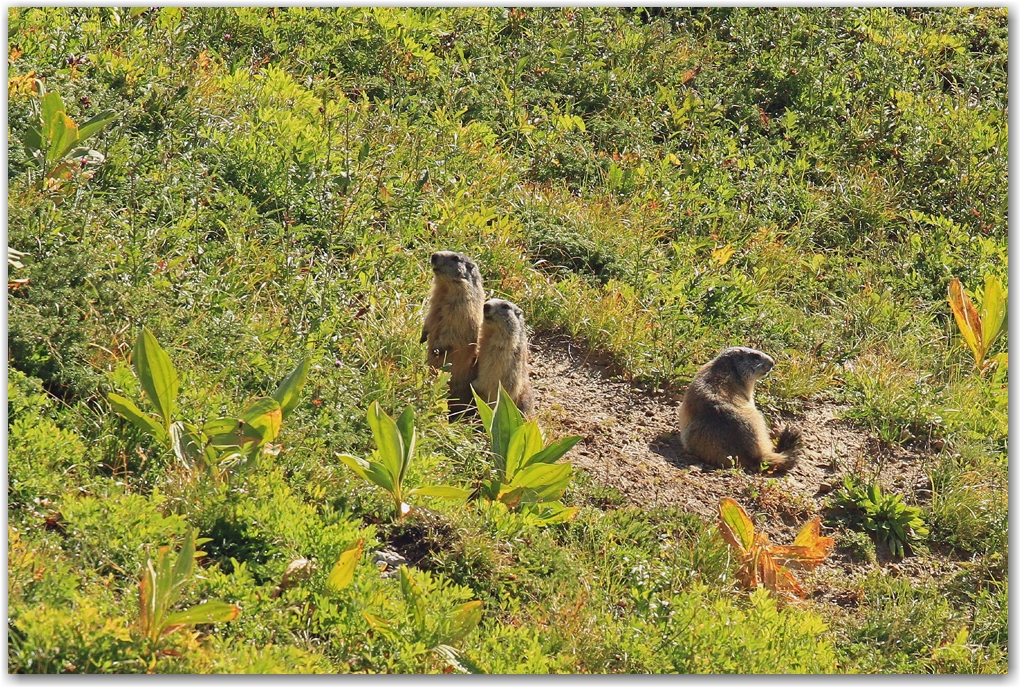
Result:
[219,445]
[160,588]
[761,563]
[527,473]
[439,632]
[884,516]
[395,443]
[55,141]
[981,328]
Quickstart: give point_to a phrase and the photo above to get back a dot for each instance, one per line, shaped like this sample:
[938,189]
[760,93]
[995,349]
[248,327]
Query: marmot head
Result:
[746,364]
[503,313]
[456,266]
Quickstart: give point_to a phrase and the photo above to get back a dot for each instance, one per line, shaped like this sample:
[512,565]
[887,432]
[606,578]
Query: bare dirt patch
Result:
[630,443]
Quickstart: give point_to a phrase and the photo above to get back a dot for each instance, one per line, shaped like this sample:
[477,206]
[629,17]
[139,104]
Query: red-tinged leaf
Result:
[967,319]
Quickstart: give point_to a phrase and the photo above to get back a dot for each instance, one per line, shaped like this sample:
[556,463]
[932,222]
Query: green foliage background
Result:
[273,186]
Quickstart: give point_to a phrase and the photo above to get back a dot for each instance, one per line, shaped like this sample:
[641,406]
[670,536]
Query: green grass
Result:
[273,185]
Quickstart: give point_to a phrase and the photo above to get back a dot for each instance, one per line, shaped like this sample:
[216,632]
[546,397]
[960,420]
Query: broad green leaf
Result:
[156,374]
[464,619]
[736,528]
[65,135]
[222,426]
[390,445]
[137,11]
[96,124]
[484,412]
[52,105]
[288,394]
[543,482]
[33,141]
[993,312]
[967,319]
[553,452]
[209,612]
[343,572]
[405,425]
[506,418]
[184,565]
[370,471]
[526,437]
[443,492]
[129,411]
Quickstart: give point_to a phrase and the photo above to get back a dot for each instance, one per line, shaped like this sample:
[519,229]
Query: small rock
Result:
[388,561]
[824,488]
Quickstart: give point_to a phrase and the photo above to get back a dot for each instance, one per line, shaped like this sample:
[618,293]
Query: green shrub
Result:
[42,457]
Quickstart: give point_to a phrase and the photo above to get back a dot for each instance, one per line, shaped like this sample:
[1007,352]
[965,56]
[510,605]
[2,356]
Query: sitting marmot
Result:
[719,422]
[503,355]
[454,320]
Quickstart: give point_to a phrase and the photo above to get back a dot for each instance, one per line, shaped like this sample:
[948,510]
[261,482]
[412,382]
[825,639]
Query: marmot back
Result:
[719,422]
[454,320]
[503,355]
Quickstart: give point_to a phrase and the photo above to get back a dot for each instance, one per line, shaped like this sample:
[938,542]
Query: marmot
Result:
[454,320]
[719,422]
[503,355]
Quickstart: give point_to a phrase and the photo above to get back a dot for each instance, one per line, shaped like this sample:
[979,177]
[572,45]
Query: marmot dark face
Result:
[747,364]
[455,266]
[503,312]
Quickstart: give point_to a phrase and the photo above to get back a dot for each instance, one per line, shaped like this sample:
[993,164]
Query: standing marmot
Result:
[503,355]
[719,422]
[454,320]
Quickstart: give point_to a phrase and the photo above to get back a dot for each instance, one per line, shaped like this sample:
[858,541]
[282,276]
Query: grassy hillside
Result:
[656,185]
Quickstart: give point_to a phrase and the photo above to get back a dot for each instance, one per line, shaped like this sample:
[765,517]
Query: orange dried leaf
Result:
[809,549]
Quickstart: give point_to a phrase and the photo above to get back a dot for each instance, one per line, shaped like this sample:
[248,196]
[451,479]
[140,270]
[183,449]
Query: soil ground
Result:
[630,444]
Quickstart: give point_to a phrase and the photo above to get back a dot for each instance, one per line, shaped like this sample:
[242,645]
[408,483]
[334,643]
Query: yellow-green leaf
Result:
[993,312]
[464,619]
[261,420]
[343,572]
[289,392]
[210,612]
[736,528]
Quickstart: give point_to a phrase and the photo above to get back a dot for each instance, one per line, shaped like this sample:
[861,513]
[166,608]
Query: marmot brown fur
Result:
[454,321]
[719,422]
[503,355]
